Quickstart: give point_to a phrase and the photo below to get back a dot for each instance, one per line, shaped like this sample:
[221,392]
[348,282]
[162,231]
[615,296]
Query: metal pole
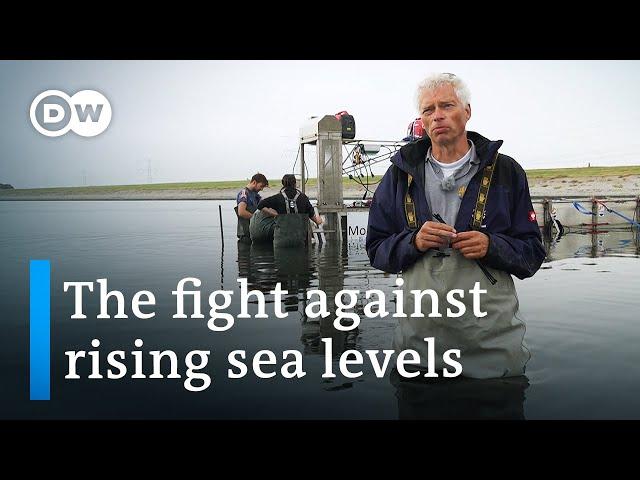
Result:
[637,230]
[546,216]
[594,227]
[594,213]
[302,179]
[221,231]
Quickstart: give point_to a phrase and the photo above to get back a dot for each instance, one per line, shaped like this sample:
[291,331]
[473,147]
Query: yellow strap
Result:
[483,193]
[409,206]
[481,202]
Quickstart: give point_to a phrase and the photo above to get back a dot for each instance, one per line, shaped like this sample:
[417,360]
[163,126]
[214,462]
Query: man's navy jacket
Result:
[515,243]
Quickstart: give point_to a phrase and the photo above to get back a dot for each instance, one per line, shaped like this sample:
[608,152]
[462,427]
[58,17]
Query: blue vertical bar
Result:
[39,330]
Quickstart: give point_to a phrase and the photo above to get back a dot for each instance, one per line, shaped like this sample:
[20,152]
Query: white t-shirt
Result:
[449,169]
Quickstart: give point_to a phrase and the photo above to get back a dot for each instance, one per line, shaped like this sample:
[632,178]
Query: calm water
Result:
[582,310]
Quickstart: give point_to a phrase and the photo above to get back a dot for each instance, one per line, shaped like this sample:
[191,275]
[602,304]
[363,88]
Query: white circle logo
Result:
[53,113]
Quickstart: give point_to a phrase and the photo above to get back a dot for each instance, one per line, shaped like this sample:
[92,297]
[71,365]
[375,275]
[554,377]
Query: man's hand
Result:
[269,212]
[472,244]
[434,235]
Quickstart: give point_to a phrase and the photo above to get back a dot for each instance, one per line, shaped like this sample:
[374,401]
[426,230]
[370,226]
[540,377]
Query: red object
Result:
[532,216]
[416,129]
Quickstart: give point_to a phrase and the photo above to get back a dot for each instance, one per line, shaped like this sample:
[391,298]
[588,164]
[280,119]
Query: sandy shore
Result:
[584,186]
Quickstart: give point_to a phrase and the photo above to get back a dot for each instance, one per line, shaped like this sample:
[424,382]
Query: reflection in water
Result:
[332,269]
[314,331]
[610,243]
[460,398]
[296,268]
[263,267]
[582,322]
[331,273]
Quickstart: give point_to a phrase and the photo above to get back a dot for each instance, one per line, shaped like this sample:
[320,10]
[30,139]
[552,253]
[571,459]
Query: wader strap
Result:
[481,202]
[409,206]
[290,203]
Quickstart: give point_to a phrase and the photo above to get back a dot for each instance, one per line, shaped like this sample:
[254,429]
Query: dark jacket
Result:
[515,243]
[277,202]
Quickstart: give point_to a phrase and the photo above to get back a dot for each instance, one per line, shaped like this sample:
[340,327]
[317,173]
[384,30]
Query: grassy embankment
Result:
[542,174]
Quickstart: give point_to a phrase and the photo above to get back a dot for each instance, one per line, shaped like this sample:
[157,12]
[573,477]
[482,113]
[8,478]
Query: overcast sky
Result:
[225,120]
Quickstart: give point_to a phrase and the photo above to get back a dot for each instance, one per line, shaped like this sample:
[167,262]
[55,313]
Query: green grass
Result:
[230,184]
[539,174]
[234,184]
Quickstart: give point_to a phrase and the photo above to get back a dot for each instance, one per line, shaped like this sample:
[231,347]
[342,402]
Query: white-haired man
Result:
[451,212]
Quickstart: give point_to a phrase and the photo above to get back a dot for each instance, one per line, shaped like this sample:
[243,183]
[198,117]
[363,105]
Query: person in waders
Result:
[450,212]
[284,217]
[246,204]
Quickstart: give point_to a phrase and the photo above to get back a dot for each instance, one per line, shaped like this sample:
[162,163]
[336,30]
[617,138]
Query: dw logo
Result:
[53,113]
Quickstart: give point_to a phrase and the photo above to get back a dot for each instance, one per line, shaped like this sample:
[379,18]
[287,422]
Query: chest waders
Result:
[490,346]
[291,230]
[243,225]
